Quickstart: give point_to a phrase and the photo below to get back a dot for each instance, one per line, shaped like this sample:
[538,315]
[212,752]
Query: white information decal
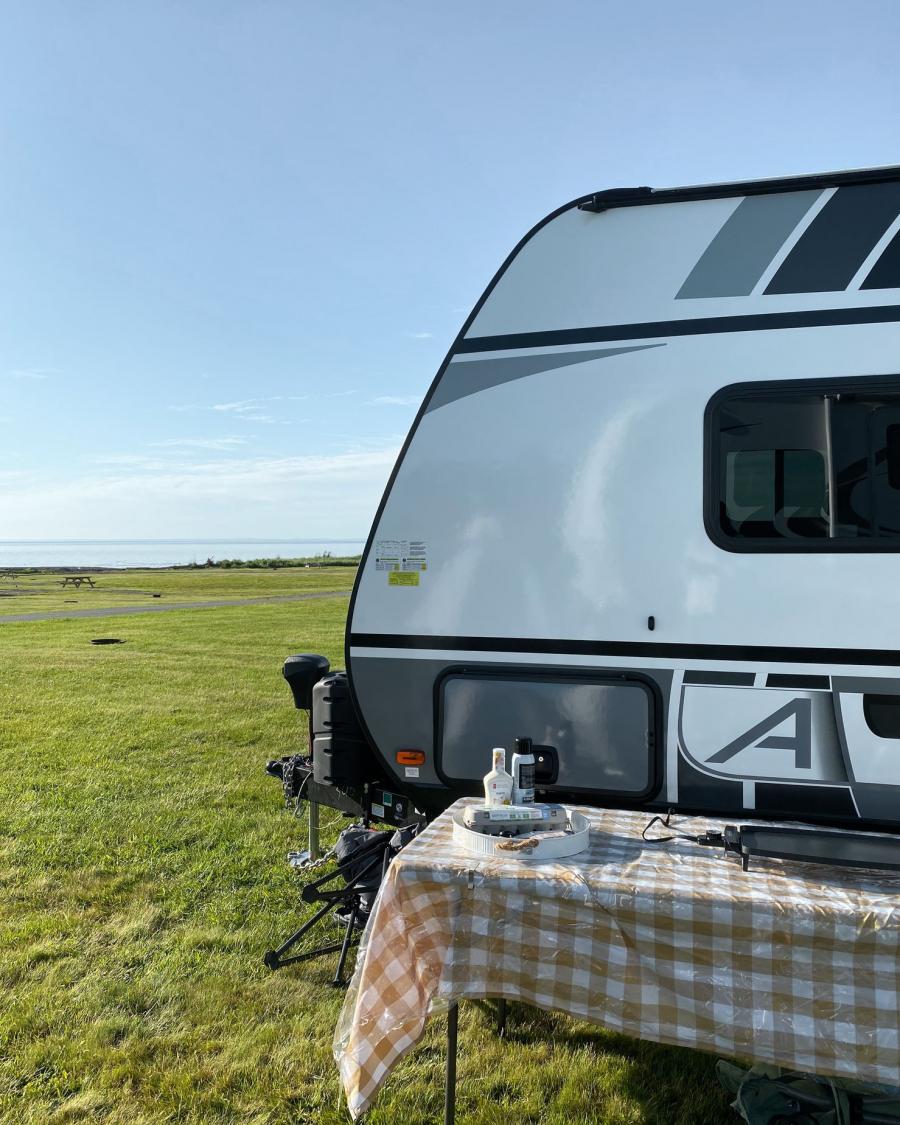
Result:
[387,554]
[412,771]
[413,557]
[401,556]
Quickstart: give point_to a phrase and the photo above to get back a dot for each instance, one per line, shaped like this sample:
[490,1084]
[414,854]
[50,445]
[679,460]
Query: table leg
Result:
[450,1083]
[501,1017]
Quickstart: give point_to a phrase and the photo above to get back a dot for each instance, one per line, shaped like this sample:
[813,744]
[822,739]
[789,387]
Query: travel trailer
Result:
[648,514]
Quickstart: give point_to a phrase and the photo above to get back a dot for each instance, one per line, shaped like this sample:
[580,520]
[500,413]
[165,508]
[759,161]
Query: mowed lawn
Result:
[143,876]
[45,592]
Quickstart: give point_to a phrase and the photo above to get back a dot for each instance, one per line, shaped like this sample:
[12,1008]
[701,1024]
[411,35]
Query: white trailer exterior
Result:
[649,511]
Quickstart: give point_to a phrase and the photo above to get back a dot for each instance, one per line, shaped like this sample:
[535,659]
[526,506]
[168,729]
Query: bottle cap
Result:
[523,745]
[499,757]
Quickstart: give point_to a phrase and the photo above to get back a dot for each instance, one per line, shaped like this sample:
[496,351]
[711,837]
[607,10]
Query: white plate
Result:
[502,847]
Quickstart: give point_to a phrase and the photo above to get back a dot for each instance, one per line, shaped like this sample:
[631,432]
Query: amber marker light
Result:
[410,757]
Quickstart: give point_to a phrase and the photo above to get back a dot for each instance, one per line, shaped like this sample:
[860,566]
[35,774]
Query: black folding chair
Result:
[362,872]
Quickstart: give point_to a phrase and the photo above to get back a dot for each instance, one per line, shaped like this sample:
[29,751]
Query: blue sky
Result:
[237,238]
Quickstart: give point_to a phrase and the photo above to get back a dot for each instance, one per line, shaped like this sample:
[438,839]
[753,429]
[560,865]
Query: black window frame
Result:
[549,674]
[775,389]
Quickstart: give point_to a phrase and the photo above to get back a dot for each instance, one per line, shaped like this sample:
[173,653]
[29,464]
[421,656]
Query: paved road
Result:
[160,607]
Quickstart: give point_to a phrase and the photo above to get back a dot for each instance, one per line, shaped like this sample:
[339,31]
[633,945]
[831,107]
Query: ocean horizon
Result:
[150,553]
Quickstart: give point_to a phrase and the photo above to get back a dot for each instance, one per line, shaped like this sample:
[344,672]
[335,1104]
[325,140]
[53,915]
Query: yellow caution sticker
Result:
[403,578]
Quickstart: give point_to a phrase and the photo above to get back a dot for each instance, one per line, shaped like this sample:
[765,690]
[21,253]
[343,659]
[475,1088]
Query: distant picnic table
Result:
[77,579]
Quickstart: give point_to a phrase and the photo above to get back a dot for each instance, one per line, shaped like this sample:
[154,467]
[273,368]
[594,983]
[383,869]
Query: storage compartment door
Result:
[603,730]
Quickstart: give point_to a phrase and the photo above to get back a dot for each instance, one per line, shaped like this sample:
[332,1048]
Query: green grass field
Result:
[143,875]
[38,593]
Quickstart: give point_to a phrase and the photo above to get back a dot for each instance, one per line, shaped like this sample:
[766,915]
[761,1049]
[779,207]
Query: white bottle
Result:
[498,784]
[523,773]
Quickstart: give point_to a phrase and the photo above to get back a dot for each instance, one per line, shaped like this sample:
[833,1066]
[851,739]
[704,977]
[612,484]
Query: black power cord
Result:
[709,839]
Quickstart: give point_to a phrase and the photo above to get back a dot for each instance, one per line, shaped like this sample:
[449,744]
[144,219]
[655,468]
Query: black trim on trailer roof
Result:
[617,197]
[771,654]
[605,200]
[694,326]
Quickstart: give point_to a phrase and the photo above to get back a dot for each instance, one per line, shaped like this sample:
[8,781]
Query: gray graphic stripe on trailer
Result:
[737,257]
[838,241]
[468,377]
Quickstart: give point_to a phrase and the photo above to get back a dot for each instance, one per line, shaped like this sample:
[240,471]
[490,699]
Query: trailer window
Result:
[804,466]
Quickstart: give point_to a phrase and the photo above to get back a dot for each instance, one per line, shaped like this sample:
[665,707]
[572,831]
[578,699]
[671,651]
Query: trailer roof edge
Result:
[609,198]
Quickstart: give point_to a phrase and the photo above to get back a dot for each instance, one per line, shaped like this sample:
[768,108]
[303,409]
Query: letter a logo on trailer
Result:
[800,710]
[760,734]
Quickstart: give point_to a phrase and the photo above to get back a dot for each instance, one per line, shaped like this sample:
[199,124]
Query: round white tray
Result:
[502,847]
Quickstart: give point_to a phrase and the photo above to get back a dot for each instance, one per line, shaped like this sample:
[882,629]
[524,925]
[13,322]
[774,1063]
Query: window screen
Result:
[603,731]
[804,467]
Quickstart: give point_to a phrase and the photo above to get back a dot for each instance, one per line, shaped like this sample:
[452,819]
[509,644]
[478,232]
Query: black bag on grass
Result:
[356,849]
[767,1095]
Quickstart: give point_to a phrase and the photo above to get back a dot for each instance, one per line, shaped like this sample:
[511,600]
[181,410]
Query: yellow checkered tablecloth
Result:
[790,964]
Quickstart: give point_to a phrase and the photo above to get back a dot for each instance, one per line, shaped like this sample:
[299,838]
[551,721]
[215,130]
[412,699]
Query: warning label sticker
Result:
[406,556]
[403,578]
[388,553]
[414,556]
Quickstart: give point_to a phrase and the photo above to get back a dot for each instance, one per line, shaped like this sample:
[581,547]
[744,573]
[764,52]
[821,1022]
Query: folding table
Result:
[791,964]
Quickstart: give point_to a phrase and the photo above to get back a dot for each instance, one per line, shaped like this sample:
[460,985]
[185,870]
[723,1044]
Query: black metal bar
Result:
[319,951]
[273,958]
[501,1016]
[338,981]
[450,1081]
[311,891]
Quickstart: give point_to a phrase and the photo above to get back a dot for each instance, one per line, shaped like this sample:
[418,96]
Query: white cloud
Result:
[128,496]
[396,400]
[29,373]
[237,407]
[267,419]
[420,335]
[127,460]
[245,406]
[221,443]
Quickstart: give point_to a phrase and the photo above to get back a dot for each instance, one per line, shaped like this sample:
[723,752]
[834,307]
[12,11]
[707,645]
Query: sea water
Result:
[87,553]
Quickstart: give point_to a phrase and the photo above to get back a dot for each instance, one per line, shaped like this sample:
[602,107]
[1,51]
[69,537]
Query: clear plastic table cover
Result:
[790,964]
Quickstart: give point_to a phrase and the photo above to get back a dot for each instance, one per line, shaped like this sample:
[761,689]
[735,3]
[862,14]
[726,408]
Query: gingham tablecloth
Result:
[791,964]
